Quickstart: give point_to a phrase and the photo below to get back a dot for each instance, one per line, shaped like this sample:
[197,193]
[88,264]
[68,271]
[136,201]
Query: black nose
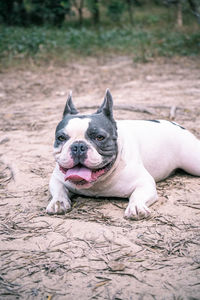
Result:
[79,148]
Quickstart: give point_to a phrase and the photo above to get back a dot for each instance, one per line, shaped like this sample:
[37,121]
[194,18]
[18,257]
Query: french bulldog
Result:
[98,156]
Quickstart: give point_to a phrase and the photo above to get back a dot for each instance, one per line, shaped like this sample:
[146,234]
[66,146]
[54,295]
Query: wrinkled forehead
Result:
[74,126]
[78,126]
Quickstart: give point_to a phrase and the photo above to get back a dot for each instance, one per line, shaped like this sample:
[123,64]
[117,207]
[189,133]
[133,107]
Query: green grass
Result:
[144,41]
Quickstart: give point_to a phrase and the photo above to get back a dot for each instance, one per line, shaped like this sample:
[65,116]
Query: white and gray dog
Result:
[98,156]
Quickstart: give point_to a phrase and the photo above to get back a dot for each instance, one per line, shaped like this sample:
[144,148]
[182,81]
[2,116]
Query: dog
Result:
[98,156]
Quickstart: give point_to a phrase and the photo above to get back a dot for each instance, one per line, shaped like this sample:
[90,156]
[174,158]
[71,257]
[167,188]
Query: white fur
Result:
[60,202]
[148,152]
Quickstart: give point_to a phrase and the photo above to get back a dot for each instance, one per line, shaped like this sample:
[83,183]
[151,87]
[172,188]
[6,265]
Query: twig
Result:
[172,113]
[130,275]
[191,206]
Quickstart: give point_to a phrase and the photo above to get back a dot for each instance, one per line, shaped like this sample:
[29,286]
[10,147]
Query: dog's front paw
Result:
[59,207]
[137,211]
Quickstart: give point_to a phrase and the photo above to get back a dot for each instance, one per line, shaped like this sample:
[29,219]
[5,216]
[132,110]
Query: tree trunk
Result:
[79,6]
[95,12]
[195,9]
[179,14]
[80,16]
[130,10]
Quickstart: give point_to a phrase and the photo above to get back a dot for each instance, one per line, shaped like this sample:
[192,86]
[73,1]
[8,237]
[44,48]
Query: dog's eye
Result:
[61,138]
[100,138]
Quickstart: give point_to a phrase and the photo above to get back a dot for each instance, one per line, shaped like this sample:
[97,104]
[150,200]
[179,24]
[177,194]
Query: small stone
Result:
[116,266]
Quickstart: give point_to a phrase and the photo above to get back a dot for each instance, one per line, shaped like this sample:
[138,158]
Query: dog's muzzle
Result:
[79,151]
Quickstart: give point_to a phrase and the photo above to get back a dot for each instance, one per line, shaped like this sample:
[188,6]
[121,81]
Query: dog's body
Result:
[120,159]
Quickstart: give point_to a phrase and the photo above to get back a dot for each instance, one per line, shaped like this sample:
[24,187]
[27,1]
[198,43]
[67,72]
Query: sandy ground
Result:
[93,252]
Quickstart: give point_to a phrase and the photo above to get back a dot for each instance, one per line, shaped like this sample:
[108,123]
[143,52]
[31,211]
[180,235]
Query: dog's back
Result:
[162,145]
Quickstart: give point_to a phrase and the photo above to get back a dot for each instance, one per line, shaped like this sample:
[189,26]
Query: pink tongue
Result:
[79,174]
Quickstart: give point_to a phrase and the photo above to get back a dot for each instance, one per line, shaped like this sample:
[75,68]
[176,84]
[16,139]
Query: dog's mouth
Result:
[81,175]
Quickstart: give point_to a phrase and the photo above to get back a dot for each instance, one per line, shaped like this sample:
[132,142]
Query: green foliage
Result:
[54,12]
[93,6]
[37,42]
[115,9]
[38,12]
[13,12]
[48,12]
[154,34]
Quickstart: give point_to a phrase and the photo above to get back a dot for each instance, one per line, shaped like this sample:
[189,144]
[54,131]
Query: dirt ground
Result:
[93,252]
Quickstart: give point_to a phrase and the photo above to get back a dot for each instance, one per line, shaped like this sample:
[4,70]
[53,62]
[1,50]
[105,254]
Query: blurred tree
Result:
[53,12]
[195,7]
[79,5]
[130,9]
[115,8]
[130,6]
[179,13]
[93,6]
[49,11]
[12,12]
[180,4]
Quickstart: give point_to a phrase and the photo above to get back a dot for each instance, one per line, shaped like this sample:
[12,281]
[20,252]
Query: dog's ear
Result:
[107,106]
[69,107]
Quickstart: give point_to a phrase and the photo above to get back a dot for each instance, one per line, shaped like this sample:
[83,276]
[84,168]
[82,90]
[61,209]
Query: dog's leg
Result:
[143,196]
[60,202]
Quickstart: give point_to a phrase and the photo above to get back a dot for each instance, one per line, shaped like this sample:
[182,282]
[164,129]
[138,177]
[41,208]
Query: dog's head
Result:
[85,146]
